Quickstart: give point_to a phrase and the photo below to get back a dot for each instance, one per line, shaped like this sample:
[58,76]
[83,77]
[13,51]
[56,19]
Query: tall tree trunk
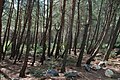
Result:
[69,37]
[95,35]
[71,24]
[20,40]
[112,30]
[78,28]
[55,40]
[85,35]
[1,7]
[61,27]
[30,6]
[13,49]
[107,23]
[50,16]
[79,61]
[18,33]
[44,37]
[21,50]
[36,37]
[90,23]
[117,29]
[7,31]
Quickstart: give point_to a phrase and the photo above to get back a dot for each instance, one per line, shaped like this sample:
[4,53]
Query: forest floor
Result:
[10,71]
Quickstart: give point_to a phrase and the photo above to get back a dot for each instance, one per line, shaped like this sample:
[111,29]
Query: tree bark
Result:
[79,61]
[95,35]
[78,28]
[13,49]
[60,31]
[36,37]
[50,26]
[103,34]
[1,6]
[44,36]
[30,6]
[7,31]
[106,57]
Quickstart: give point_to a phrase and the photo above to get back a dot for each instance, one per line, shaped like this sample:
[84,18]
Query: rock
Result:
[87,67]
[52,72]
[71,74]
[96,67]
[109,73]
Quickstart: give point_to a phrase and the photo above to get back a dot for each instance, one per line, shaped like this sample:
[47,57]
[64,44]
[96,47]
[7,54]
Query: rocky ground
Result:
[51,69]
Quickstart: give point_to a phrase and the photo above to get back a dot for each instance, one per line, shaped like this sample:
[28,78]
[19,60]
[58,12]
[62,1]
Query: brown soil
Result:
[9,71]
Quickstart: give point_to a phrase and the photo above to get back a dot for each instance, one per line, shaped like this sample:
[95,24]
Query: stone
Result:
[109,73]
[71,74]
[87,67]
[52,72]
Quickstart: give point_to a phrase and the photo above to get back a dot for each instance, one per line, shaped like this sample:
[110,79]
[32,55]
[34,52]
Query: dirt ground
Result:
[9,71]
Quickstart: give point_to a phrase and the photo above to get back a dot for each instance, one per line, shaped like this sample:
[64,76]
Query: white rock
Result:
[97,67]
[109,73]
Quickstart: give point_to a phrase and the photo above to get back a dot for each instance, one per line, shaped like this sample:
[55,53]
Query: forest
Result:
[59,40]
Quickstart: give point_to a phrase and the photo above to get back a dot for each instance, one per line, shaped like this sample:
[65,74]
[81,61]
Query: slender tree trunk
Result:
[82,46]
[55,40]
[78,28]
[103,34]
[106,57]
[69,41]
[21,50]
[112,30]
[89,22]
[7,31]
[36,40]
[71,24]
[20,40]
[1,7]
[30,6]
[13,49]
[61,27]
[18,33]
[50,16]
[44,37]
[90,50]
[85,35]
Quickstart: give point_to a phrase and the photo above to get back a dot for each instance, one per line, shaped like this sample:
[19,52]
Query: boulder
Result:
[109,73]
[52,72]
[71,74]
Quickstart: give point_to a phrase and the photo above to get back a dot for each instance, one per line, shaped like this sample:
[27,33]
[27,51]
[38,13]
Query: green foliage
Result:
[24,49]
[113,54]
[117,44]
[63,46]
[104,46]
[1,76]
[7,46]
[39,49]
